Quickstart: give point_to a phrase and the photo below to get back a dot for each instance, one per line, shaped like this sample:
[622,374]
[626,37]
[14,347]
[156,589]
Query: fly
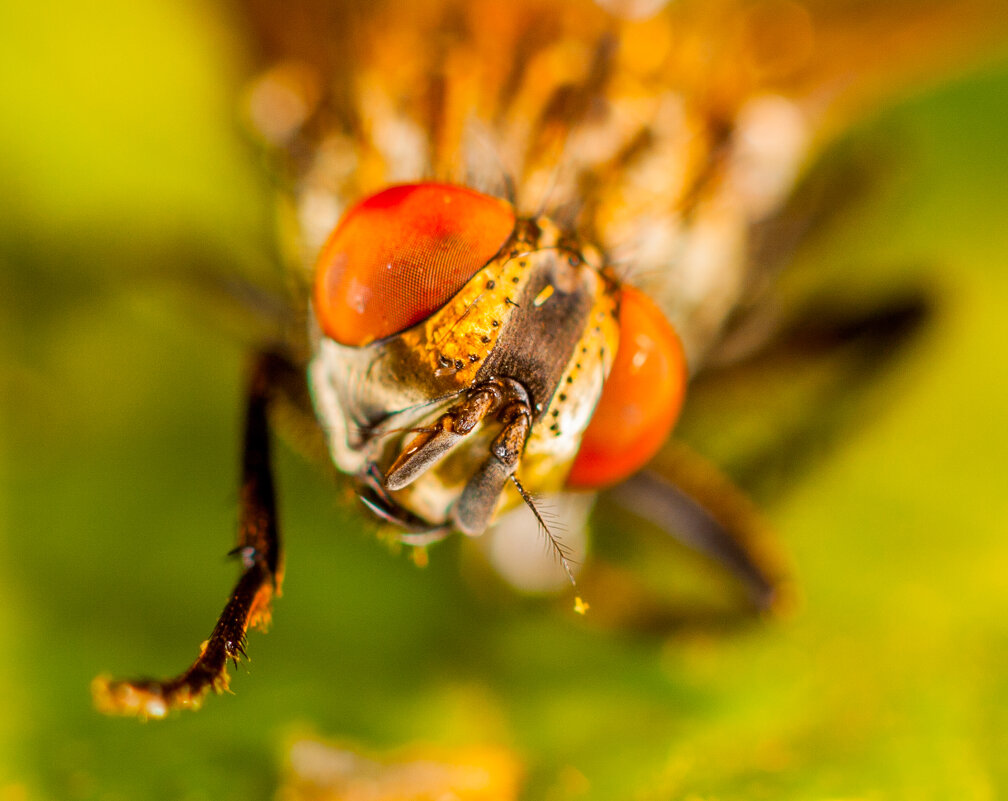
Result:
[514,232]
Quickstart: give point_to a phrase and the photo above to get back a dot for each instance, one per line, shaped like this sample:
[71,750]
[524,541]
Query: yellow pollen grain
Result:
[580,605]
[543,296]
[420,557]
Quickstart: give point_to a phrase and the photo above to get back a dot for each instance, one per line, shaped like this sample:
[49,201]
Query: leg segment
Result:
[249,605]
[416,530]
[684,495]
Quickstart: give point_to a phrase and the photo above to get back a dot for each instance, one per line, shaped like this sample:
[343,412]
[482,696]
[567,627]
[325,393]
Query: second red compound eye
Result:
[398,256]
[640,400]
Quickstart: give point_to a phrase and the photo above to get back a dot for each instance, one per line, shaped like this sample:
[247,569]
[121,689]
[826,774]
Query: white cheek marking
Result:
[323,374]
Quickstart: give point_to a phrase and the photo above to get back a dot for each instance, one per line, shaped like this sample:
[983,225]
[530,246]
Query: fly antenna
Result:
[562,551]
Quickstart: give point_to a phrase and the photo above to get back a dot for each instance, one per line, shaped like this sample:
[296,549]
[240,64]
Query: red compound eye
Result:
[640,400]
[399,256]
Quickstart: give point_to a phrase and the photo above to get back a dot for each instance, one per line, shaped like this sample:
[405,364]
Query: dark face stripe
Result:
[537,341]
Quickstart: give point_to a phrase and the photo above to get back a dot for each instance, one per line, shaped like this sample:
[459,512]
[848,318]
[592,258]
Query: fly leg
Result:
[416,530]
[703,511]
[262,568]
[687,499]
[808,388]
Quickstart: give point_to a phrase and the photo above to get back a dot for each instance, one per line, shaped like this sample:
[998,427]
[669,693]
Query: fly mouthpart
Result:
[503,398]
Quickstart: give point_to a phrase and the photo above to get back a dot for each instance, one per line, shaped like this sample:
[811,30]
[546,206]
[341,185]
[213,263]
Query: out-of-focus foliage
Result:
[119,425]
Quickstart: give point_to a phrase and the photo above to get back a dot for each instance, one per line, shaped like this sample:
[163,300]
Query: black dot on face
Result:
[555,427]
[491,284]
[473,358]
[459,364]
[515,280]
[563,397]
[570,380]
[494,323]
[584,348]
[484,339]
[577,366]
[555,413]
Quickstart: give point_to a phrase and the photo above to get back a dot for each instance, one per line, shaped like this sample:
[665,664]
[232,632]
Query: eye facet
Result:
[398,256]
[640,400]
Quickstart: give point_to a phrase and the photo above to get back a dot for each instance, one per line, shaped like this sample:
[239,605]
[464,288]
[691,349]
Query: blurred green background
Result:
[122,160]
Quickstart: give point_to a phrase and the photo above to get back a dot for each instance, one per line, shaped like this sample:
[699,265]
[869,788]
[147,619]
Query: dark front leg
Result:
[262,568]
